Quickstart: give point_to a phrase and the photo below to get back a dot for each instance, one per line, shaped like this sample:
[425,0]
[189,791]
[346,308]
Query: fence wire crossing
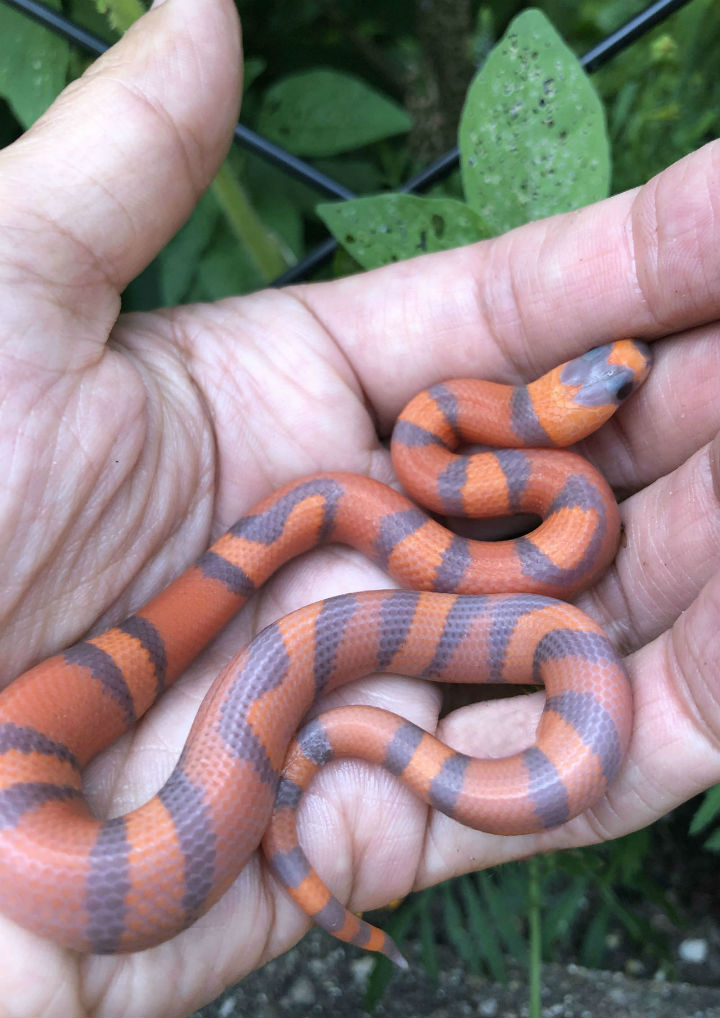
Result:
[596,57]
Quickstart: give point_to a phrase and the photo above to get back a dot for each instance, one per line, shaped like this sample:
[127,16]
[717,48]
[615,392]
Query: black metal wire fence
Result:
[600,54]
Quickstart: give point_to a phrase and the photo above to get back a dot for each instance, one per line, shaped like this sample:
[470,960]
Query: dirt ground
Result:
[323,979]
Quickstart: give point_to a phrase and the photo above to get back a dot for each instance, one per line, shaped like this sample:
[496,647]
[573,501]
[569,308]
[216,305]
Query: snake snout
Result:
[608,374]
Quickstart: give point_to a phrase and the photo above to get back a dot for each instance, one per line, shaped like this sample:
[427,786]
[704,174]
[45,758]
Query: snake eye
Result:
[624,391]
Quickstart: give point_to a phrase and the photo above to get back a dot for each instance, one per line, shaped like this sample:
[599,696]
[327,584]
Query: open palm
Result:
[126,445]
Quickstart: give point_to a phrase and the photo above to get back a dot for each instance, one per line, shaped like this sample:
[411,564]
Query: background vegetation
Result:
[403,70]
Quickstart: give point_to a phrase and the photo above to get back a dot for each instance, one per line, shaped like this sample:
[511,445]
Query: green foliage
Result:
[577,900]
[662,99]
[120,14]
[532,142]
[33,64]
[663,95]
[324,112]
[532,134]
[707,813]
[390,227]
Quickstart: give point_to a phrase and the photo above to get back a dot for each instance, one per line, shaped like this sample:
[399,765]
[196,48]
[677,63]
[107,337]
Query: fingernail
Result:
[156,3]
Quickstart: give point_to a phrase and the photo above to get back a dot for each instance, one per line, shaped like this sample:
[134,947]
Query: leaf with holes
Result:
[323,113]
[391,227]
[532,133]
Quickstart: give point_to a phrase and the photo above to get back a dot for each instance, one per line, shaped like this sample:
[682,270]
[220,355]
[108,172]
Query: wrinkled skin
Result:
[125,444]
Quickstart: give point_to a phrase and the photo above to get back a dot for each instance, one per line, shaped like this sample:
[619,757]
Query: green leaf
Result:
[323,112]
[428,938]
[560,912]
[482,935]
[708,810]
[378,981]
[226,269]
[120,13]
[629,858]
[504,918]
[456,928]
[594,941]
[397,926]
[33,64]
[390,227]
[360,173]
[252,69]
[532,132]
[180,258]
[85,13]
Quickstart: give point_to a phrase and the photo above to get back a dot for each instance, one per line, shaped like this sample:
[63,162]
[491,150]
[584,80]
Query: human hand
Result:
[123,458]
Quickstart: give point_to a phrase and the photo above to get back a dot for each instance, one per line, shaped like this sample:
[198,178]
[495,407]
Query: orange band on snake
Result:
[474,611]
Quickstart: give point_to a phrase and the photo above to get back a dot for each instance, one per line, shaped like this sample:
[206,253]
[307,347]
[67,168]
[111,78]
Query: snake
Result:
[465,611]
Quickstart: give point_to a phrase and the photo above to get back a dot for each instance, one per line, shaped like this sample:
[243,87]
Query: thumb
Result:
[100,183]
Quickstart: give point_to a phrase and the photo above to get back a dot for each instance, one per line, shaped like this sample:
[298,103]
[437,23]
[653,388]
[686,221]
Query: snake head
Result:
[578,397]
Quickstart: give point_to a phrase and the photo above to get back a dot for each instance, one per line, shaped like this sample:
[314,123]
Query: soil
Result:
[322,979]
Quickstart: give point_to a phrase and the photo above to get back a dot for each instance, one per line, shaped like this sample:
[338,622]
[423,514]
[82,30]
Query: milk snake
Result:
[472,611]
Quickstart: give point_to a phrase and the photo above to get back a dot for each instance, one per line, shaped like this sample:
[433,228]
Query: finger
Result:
[642,263]
[675,748]
[115,166]
[674,753]
[670,550]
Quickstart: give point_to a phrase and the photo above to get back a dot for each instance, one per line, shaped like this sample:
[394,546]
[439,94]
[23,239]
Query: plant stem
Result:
[269,253]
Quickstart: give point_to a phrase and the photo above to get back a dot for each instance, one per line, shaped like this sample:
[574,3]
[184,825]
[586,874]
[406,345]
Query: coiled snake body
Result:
[474,611]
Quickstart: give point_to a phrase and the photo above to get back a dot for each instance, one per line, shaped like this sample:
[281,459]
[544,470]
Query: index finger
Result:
[643,263]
